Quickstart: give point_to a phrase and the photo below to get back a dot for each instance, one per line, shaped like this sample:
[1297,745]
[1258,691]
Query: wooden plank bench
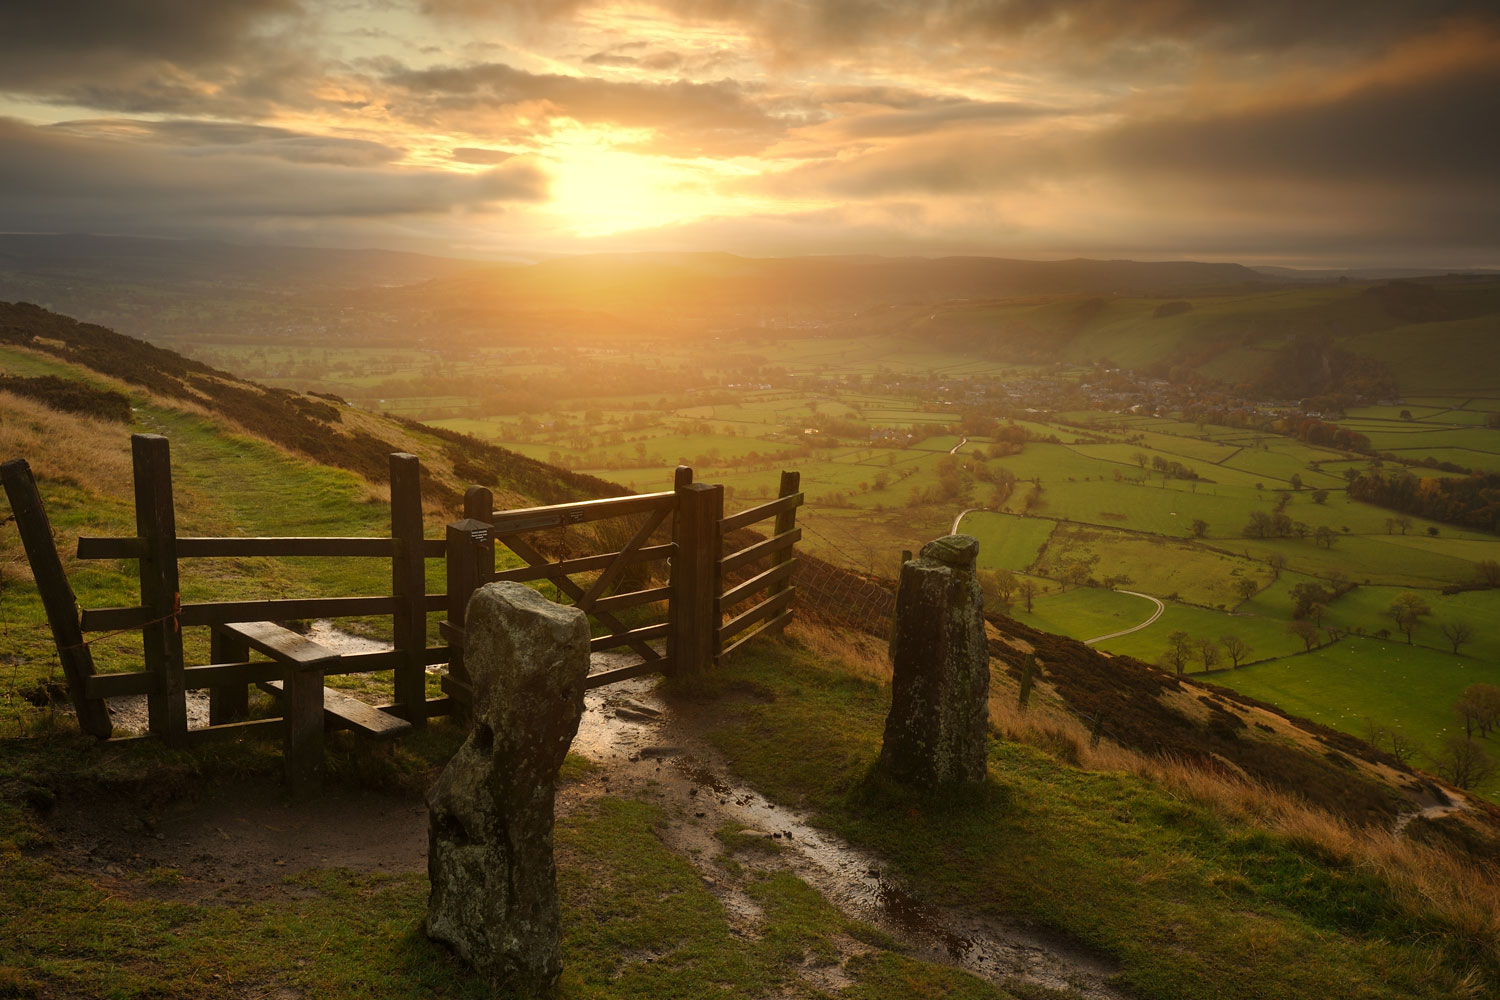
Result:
[307,706]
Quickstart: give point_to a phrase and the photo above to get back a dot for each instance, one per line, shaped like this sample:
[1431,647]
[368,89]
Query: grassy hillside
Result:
[1202,832]
[1432,335]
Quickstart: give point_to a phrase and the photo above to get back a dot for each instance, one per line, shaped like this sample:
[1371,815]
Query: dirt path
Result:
[240,844]
[1160,607]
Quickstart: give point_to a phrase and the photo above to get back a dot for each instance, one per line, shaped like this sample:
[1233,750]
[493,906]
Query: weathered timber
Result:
[657,631]
[937,731]
[786,521]
[777,574]
[161,634]
[760,612]
[629,600]
[228,700]
[57,595]
[767,628]
[612,573]
[523,549]
[775,508]
[301,690]
[409,585]
[511,522]
[759,550]
[582,564]
[90,547]
[489,860]
[693,642]
[343,711]
[628,671]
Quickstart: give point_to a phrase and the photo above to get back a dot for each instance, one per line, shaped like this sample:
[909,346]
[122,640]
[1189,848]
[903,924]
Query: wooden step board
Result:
[347,712]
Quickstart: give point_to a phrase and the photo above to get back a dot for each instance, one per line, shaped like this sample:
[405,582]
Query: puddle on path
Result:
[628,728]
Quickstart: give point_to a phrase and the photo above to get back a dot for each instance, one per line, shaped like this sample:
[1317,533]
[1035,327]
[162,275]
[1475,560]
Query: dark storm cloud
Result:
[689,118]
[52,181]
[202,138]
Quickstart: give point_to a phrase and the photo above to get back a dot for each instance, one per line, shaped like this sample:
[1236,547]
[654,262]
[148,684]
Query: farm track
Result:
[1160,607]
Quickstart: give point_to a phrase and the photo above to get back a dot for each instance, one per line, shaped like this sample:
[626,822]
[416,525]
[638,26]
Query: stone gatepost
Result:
[489,854]
[937,731]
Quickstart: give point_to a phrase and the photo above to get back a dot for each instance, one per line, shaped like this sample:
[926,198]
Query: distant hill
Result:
[683,285]
[79,258]
[323,428]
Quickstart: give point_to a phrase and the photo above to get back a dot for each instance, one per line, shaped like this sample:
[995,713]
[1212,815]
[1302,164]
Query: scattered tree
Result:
[1488,571]
[1407,611]
[1479,708]
[1320,496]
[1235,648]
[1458,634]
[1208,653]
[1307,632]
[1028,590]
[1247,588]
[1180,647]
[1296,481]
[1277,562]
[1199,527]
[1464,761]
[1324,536]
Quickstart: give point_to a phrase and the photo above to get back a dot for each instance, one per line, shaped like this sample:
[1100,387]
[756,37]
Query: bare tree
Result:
[1407,611]
[1208,653]
[1247,588]
[1488,571]
[1464,761]
[1179,650]
[1028,590]
[1235,648]
[1458,634]
[1479,708]
[1307,632]
[1277,562]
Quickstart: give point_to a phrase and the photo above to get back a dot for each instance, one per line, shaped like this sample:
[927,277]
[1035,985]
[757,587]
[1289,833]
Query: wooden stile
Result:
[409,585]
[57,595]
[694,630]
[156,527]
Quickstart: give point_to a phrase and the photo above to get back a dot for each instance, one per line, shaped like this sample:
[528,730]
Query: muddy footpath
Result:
[241,845]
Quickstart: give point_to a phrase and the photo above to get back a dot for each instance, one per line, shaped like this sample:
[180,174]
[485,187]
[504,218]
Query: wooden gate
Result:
[684,526]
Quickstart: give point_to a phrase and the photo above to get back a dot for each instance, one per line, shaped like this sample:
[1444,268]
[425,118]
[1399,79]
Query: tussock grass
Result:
[1438,907]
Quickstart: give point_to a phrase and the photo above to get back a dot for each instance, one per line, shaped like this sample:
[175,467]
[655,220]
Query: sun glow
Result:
[599,188]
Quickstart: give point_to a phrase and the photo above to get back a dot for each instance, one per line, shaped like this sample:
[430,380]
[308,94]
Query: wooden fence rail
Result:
[684,527]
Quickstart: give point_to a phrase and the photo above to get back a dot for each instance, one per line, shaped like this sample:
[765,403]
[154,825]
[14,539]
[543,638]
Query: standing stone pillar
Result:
[937,731]
[489,854]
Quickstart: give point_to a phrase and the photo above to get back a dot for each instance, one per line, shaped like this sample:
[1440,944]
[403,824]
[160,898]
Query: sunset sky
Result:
[1278,131]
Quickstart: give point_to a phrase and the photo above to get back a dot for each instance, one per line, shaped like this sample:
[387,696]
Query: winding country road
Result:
[961,515]
[1160,607]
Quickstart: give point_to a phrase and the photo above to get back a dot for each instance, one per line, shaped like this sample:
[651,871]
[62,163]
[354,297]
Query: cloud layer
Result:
[1339,131]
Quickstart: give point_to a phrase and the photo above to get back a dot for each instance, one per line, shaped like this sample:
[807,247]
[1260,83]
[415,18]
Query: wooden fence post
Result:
[302,740]
[791,483]
[693,637]
[227,702]
[409,586]
[56,593]
[156,526]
